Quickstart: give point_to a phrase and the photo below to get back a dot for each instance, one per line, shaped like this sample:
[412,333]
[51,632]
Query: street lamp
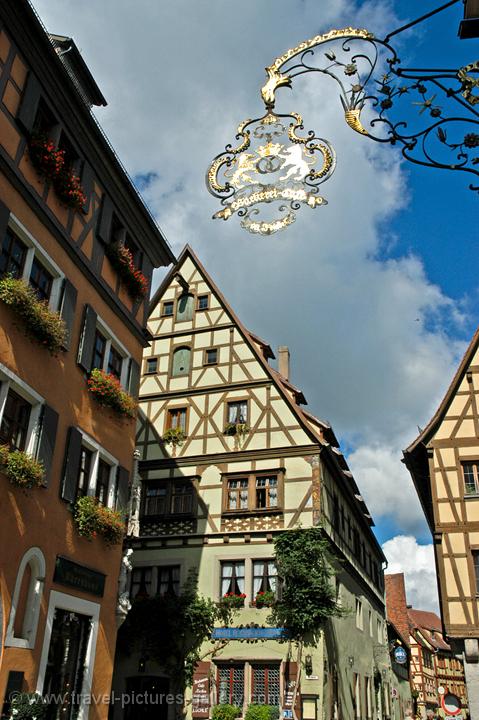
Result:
[276,169]
[469,27]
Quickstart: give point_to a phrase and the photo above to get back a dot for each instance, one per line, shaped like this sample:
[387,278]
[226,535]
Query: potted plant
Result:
[92,519]
[239,429]
[27,706]
[174,436]
[21,469]
[235,600]
[45,157]
[69,189]
[108,392]
[122,260]
[264,598]
[40,322]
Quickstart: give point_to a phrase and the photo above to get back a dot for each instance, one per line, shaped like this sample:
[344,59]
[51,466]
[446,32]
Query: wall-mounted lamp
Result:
[351,660]
[142,663]
[308,665]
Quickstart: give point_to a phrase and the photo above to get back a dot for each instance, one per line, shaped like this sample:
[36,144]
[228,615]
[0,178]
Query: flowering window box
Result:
[237,429]
[174,436]
[234,600]
[45,157]
[21,468]
[41,323]
[122,260]
[92,519]
[69,189]
[264,599]
[108,392]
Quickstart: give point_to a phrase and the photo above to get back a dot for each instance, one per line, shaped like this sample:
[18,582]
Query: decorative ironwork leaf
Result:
[441,135]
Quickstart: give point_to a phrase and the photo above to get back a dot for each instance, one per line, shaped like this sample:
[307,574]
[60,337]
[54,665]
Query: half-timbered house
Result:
[229,457]
[444,464]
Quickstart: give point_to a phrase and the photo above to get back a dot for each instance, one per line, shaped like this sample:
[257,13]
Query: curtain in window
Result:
[258,577]
[272,572]
[226,576]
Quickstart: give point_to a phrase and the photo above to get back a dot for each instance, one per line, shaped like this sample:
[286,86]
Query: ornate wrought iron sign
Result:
[432,115]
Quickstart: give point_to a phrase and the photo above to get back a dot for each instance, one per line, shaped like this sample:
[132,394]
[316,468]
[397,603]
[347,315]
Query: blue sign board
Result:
[400,655]
[246,633]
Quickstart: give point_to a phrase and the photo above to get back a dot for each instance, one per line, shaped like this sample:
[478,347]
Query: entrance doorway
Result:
[148,698]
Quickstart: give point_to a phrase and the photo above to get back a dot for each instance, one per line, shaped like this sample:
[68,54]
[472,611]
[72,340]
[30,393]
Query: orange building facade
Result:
[59,589]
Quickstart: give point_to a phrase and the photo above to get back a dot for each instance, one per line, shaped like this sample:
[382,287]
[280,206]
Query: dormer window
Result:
[184,308]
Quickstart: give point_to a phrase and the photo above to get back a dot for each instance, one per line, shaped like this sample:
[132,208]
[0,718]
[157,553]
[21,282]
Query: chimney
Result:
[283,361]
[396,605]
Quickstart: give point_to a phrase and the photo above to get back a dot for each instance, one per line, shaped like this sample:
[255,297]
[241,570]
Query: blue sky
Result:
[376,293]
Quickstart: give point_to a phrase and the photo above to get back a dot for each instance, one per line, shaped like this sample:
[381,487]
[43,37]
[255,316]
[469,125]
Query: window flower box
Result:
[69,189]
[237,429]
[122,260]
[264,599]
[174,436]
[233,600]
[21,468]
[108,392]
[41,323]
[45,157]
[92,519]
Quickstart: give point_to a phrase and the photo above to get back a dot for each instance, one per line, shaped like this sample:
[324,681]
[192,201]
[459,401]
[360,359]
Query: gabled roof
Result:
[267,351]
[429,626]
[425,435]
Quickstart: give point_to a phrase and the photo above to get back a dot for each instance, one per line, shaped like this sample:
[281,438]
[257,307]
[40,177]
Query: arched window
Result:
[181,361]
[27,595]
[184,308]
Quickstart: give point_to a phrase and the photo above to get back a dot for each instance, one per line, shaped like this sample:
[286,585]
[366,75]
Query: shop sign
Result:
[78,576]
[400,655]
[246,633]
[200,704]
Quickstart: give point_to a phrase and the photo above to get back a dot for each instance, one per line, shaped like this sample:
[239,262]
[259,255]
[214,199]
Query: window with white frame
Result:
[108,353]
[20,410]
[232,578]
[359,614]
[26,600]
[24,258]
[265,576]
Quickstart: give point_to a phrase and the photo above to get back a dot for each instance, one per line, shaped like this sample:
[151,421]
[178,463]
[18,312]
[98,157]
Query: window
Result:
[256,491]
[141,579]
[357,695]
[238,494]
[231,685]
[176,418]
[181,361]
[380,631]
[115,362]
[264,576]
[102,482]
[84,472]
[99,348]
[169,498]
[267,492]
[370,616]
[41,280]
[169,580]
[238,411]
[475,557]
[12,258]
[265,687]
[184,308]
[24,258]
[26,600]
[211,356]
[203,302]
[15,421]
[427,658]
[151,366]
[232,578]
[359,614]
[167,308]
[471,477]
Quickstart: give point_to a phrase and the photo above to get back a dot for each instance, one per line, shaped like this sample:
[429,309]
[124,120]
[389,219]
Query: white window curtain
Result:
[272,573]
[258,576]
[226,575]
[240,580]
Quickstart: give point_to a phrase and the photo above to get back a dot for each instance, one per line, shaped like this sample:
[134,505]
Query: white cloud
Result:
[416,561]
[373,341]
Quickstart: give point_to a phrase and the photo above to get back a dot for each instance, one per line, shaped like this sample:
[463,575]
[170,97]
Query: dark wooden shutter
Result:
[87,177]
[4,217]
[69,301]
[46,443]
[87,340]
[29,105]
[134,378]
[122,488]
[72,465]
[106,217]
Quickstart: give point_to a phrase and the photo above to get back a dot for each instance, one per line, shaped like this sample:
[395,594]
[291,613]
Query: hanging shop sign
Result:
[78,576]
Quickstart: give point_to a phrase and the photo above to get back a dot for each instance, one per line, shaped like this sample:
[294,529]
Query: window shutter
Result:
[87,184]
[4,216]
[106,217]
[29,105]
[72,465]
[69,301]
[46,442]
[134,378]
[122,491]
[85,350]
